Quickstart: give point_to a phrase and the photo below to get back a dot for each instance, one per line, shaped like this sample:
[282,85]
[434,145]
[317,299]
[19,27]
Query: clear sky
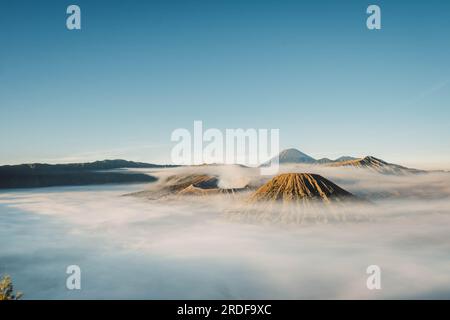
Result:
[140,69]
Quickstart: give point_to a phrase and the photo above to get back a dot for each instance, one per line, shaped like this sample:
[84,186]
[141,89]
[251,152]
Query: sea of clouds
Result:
[132,247]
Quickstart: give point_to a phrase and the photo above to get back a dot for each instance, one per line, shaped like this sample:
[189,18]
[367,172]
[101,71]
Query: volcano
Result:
[298,198]
[293,156]
[300,188]
[177,183]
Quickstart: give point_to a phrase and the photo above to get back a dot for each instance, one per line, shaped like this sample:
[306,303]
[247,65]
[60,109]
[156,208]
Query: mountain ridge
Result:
[378,165]
[368,162]
[293,155]
[107,164]
[37,175]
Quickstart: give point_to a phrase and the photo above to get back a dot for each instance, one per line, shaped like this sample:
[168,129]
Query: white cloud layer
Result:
[130,247]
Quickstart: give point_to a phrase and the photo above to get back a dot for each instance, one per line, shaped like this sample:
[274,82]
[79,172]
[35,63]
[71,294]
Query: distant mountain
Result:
[340,159]
[292,156]
[34,168]
[296,156]
[300,188]
[324,160]
[345,158]
[376,165]
[45,175]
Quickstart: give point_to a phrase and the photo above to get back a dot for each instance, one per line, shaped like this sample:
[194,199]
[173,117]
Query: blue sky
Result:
[140,69]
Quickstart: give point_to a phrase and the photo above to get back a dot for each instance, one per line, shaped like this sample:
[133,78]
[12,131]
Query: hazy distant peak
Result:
[293,155]
[324,160]
[345,158]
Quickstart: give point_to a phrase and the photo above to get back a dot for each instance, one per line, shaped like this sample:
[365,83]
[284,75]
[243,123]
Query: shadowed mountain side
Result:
[41,168]
[46,175]
[71,179]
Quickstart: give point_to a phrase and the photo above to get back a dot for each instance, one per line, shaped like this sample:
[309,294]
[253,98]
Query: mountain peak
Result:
[373,159]
[303,187]
[293,155]
[378,165]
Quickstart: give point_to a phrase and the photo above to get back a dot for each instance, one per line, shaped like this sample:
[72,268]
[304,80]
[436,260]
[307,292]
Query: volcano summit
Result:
[301,187]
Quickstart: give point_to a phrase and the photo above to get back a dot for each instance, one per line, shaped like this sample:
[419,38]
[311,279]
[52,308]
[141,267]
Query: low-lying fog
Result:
[189,248]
